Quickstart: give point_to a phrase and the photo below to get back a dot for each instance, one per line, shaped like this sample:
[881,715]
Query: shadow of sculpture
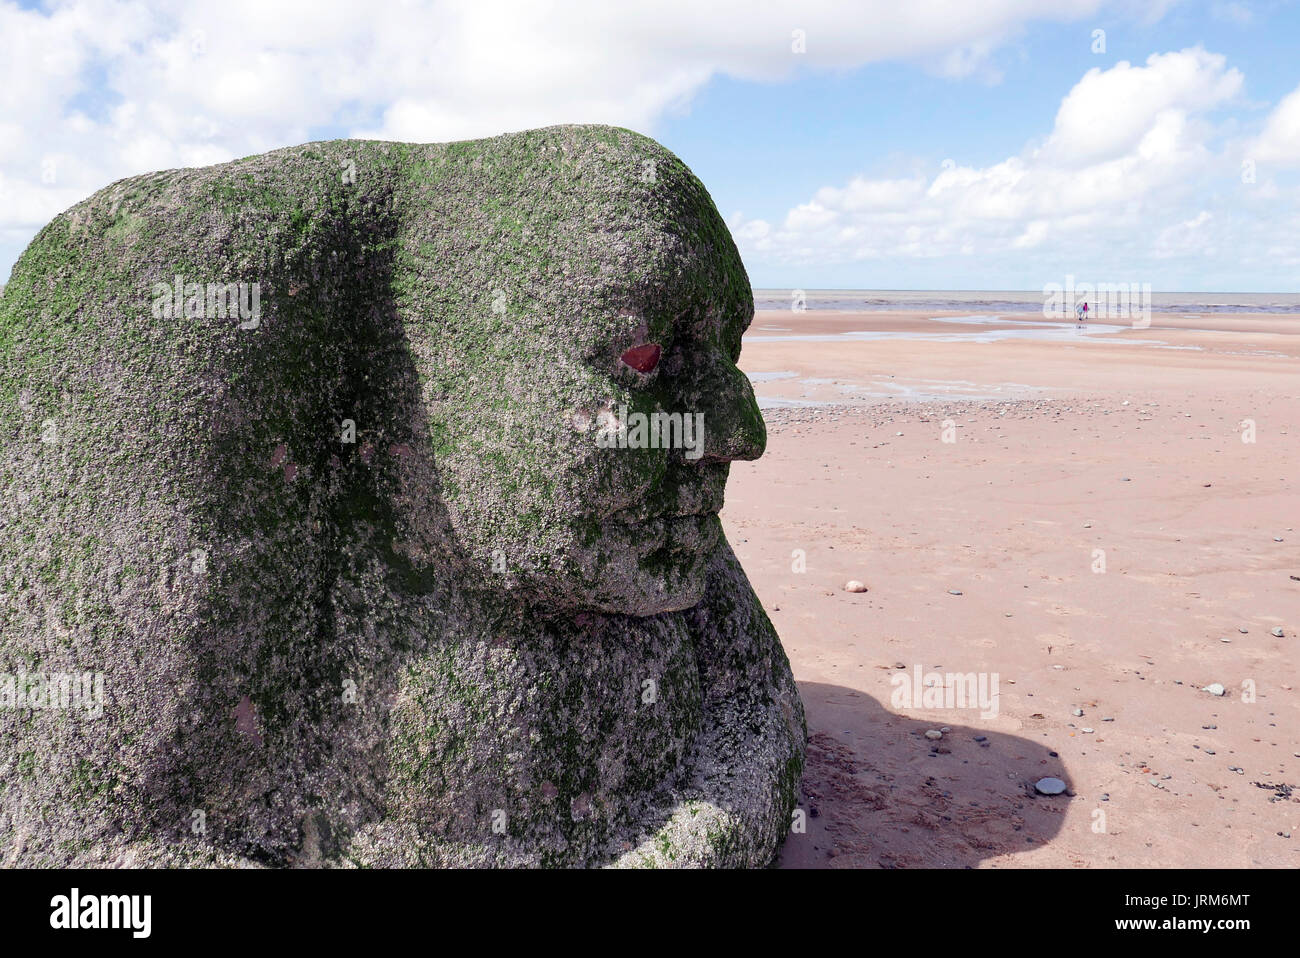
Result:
[878,794]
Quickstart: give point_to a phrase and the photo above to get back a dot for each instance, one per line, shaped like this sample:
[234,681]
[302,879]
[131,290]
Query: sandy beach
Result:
[1098,521]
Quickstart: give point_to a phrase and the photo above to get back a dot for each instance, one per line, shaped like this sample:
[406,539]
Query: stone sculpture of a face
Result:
[433,537]
[605,493]
[588,416]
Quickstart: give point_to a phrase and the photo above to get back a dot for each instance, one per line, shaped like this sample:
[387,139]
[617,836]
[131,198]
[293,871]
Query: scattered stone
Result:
[853,585]
[1086,731]
[1277,631]
[1077,713]
[1214,688]
[1049,786]
[954,591]
[934,733]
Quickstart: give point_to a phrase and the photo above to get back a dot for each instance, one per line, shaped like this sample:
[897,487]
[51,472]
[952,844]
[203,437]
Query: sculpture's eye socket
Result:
[642,358]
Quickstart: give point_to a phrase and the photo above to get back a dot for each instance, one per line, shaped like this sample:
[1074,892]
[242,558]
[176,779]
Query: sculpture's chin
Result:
[672,563]
[640,567]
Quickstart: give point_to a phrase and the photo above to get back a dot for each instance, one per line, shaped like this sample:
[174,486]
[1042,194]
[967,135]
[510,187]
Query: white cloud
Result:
[110,88]
[1109,111]
[1279,144]
[93,90]
[1132,150]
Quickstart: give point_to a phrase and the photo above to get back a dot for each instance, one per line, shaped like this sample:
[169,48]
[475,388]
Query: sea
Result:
[1010,301]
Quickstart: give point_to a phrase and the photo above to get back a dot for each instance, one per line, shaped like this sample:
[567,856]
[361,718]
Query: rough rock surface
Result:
[363,587]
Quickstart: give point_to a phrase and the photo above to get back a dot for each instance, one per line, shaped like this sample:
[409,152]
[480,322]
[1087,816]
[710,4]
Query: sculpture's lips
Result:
[674,522]
[671,516]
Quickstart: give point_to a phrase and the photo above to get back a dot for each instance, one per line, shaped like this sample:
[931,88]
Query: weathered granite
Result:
[470,637]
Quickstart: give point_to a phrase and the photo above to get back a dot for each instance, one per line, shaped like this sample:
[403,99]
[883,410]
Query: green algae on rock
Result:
[300,454]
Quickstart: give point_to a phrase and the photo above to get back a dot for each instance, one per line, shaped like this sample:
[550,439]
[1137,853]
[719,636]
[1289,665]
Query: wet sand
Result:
[1107,529]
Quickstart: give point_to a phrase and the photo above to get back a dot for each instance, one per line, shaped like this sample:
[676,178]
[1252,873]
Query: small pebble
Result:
[853,585]
[933,733]
[1049,786]
[1214,688]
[1277,630]
[954,591]
[1077,713]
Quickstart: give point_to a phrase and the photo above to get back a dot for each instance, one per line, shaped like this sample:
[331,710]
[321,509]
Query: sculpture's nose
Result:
[733,424]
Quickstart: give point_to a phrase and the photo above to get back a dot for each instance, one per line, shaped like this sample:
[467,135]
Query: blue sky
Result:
[946,145]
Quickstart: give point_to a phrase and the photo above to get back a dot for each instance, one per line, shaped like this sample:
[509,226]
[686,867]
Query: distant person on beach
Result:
[1085,310]
[1080,312]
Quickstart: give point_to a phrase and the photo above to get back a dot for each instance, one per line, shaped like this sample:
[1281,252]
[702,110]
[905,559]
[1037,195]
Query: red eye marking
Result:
[642,358]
